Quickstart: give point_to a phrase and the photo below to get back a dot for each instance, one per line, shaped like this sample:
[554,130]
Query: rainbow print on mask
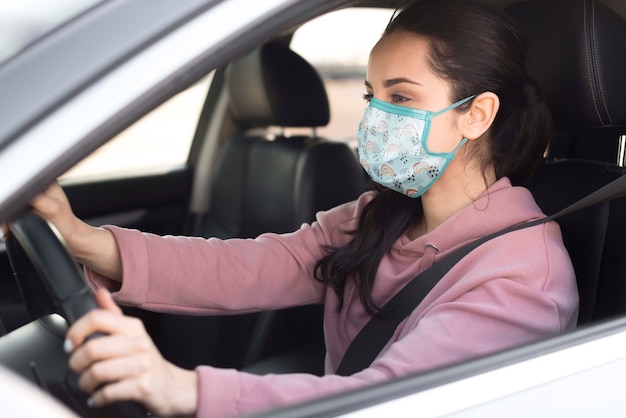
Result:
[371,146]
[411,134]
[364,127]
[386,170]
[382,127]
[393,150]
[421,168]
[393,153]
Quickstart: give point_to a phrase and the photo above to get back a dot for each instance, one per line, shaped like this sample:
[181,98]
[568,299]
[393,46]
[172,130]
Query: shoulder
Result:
[532,262]
[534,257]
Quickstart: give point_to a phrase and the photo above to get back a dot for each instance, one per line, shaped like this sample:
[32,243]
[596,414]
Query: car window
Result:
[162,139]
[158,142]
[338,45]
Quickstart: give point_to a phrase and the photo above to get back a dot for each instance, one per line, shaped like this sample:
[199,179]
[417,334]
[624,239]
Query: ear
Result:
[478,119]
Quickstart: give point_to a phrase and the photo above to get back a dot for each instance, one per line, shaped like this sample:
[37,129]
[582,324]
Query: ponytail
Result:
[521,134]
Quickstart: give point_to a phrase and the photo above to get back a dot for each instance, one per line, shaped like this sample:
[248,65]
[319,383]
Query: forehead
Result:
[402,42]
[400,54]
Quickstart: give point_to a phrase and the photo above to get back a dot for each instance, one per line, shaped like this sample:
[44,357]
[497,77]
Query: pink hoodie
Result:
[514,289]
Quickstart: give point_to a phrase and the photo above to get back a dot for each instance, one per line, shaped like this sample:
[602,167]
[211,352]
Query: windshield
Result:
[23,22]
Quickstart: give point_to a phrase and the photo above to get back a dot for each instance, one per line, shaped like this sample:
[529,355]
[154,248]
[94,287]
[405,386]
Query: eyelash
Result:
[395,98]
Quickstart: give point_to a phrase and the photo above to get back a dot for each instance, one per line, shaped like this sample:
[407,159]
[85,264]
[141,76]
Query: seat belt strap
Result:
[369,342]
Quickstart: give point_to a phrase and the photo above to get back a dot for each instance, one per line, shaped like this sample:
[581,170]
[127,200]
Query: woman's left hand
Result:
[125,364]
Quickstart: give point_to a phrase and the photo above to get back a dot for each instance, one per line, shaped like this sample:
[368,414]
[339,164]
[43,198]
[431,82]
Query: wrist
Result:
[80,241]
[186,402]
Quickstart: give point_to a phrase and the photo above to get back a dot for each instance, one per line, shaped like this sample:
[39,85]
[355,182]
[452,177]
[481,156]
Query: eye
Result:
[367,97]
[396,98]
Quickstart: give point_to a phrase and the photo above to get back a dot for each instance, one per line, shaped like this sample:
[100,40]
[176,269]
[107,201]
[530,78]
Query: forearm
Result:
[97,249]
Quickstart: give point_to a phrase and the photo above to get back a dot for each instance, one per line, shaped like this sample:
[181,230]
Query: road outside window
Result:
[158,142]
[338,46]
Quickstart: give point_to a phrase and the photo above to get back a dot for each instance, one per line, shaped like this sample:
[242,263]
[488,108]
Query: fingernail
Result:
[68,347]
[90,402]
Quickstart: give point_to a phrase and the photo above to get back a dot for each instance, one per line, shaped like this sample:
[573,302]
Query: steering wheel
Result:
[37,255]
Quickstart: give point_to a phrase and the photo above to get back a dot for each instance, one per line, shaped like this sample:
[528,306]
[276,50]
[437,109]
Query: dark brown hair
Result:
[476,49]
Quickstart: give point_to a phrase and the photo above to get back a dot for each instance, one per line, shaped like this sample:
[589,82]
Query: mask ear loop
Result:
[453,105]
[450,154]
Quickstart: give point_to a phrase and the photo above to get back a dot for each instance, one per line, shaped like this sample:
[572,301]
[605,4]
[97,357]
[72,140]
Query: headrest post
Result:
[621,151]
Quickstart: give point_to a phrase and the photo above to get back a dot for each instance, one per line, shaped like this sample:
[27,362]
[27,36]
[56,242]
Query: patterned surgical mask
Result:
[393,147]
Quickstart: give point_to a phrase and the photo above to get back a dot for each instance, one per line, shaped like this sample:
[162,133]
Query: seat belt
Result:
[378,331]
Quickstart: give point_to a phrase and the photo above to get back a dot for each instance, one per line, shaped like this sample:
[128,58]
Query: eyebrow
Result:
[394,81]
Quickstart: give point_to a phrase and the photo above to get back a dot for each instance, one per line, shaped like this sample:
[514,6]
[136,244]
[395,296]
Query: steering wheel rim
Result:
[63,280]
[59,274]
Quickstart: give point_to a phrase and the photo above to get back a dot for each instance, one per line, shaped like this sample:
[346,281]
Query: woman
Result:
[453,120]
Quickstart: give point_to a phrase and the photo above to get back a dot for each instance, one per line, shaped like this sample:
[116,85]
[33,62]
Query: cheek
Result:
[444,135]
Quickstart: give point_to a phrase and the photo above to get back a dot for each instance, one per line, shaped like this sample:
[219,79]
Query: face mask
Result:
[393,147]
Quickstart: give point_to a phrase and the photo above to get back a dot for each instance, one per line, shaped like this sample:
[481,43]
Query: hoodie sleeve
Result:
[204,276]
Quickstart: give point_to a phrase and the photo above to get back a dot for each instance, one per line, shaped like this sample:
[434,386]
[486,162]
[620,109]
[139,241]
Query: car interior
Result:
[273,185]
[587,153]
[588,150]
[243,178]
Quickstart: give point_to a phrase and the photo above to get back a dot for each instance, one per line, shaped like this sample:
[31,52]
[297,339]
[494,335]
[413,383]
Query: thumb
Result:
[105,301]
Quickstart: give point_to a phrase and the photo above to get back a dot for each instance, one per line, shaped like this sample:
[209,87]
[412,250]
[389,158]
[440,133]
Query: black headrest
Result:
[275,86]
[578,58]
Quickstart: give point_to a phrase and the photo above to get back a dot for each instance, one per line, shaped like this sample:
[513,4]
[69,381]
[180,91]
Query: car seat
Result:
[269,183]
[576,55]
